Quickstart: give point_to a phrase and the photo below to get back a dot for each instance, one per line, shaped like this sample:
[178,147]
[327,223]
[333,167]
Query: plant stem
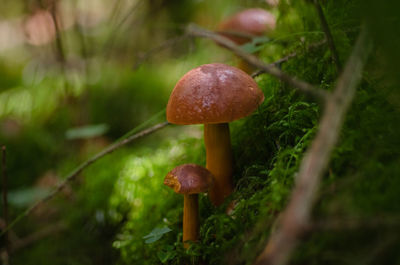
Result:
[5,202]
[328,34]
[190,218]
[108,150]
[219,160]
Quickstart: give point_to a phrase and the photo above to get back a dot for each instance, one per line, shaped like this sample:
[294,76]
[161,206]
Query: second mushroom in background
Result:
[243,26]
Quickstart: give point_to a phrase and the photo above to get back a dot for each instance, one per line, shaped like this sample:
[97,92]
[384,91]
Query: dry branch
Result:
[302,86]
[328,35]
[38,235]
[296,216]
[168,43]
[376,222]
[83,166]
[4,184]
[6,256]
[59,42]
[287,57]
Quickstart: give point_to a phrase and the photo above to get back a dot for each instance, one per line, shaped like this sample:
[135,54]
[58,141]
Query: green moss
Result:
[360,183]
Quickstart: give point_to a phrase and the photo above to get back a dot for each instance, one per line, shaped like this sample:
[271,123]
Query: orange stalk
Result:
[190,218]
[219,160]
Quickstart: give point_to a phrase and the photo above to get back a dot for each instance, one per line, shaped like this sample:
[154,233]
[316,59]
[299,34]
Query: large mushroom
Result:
[214,95]
[189,180]
[245,25]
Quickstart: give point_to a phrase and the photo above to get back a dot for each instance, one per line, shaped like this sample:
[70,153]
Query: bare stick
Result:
[83,166]
[296,216]
[286,58]
[5,202]
[109,43]
[11,234]
[234,33]
[275,64]
[59,43]
[5,184]
[328,34]
[376,222]
[38,235]
[302,86]
[168,43]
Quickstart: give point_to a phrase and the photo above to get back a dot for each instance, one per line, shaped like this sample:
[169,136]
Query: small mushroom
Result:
[243,26]
[214,95]
[189,180]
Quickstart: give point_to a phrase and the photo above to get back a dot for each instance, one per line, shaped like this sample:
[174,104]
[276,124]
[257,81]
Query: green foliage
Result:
[256,44]
[156,234]
[151,204]
[137,96]
[120,210]
[24,197]
[268,148]
[86,132]
[274,150]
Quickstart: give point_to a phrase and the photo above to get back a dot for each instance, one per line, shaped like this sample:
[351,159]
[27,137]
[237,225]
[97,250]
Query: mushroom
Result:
[214,95]
[272,3]
[189,180]
[243,26]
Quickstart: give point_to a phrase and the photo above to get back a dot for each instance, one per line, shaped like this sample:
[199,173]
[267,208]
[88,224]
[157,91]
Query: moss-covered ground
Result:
[356,219]
[356,216]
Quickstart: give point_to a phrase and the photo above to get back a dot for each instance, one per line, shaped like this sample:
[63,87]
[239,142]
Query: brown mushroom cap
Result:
[254,21]
[213,93]
[189,179]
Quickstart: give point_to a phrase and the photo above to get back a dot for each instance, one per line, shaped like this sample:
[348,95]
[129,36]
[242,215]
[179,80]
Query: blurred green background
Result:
[76,75]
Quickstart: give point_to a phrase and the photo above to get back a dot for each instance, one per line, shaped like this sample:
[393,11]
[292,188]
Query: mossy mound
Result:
[359,192]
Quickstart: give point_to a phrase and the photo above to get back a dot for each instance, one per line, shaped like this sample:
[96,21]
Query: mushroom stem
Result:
[190,218]
[219,160]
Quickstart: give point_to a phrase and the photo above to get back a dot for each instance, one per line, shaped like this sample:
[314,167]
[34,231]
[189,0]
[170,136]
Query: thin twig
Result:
[286,58]
[38,235]
[11,234]
[237,34]
[5,202]
[296,216]
[168,43]
[328,34]
[302,86]
[110,40]
[275,64]
[4,184]
[83,166]
[374,256]
[376,222]
[59,43]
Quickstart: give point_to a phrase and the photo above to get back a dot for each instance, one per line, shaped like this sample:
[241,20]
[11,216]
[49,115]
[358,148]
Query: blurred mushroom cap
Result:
[253,22]
[39,28]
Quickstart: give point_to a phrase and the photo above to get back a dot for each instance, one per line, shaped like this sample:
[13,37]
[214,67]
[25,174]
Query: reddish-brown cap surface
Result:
[254,21]
[213,93]
[189,179]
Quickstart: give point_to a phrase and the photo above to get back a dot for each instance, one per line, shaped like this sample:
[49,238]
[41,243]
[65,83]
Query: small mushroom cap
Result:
[189,179]
[254,21]
[213,93]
